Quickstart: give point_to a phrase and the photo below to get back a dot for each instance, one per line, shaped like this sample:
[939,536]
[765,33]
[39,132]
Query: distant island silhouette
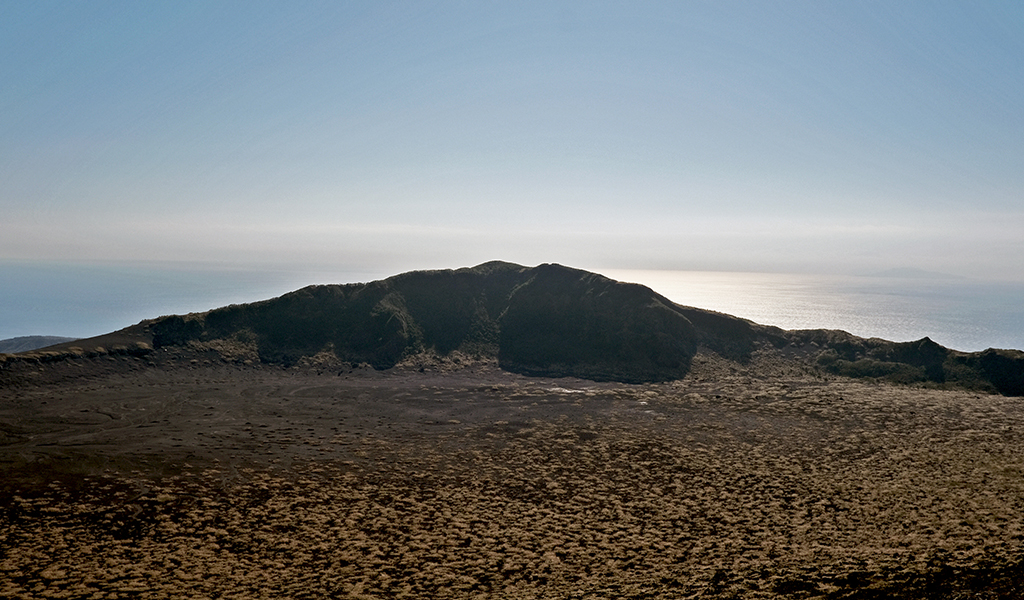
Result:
[25,343]
[913,273]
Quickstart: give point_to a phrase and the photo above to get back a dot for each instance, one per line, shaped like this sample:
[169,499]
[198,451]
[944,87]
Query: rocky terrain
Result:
[204,464]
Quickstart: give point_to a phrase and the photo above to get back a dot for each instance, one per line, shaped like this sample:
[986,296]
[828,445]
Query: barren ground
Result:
[764,481]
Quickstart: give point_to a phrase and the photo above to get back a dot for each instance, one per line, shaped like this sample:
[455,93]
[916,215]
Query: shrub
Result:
[869,367]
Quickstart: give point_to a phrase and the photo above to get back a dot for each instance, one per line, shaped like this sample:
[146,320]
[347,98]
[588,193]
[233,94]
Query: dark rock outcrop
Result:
[920,361]
[561,321]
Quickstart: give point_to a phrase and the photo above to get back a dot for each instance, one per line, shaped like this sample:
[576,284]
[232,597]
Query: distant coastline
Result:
[31,342]
[912,273]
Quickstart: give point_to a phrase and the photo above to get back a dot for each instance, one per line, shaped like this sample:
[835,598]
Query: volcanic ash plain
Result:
[766,480]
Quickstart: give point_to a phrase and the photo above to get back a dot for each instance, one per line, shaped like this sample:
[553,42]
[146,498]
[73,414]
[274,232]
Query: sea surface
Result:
[78,300]
[959,313]
[84,300]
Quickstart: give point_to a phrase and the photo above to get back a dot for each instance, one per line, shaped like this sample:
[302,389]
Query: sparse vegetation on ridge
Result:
[553,321]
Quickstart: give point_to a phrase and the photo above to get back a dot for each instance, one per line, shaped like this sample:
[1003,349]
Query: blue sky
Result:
[796,136]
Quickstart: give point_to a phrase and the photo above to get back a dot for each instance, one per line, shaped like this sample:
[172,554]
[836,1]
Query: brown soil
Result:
[763,481]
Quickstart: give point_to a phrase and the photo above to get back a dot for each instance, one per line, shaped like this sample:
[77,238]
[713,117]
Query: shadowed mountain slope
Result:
[547,320]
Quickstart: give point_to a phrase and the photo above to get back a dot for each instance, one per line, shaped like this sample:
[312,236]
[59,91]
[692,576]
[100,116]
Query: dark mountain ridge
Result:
[547,320]
[26,343]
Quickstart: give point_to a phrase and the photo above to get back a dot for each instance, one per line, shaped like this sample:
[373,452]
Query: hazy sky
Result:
[830,136]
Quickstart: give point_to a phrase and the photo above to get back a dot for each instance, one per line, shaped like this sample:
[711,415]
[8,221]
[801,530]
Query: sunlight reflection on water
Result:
[957,313]
[81,300]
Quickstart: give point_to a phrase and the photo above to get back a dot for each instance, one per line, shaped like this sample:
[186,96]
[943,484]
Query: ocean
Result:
[77,300]
[959,313]
[84,300]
